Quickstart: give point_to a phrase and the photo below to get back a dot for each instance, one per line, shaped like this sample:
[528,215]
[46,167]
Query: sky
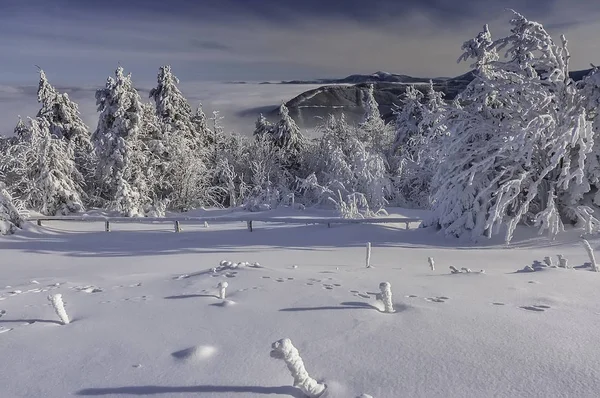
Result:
[80,42]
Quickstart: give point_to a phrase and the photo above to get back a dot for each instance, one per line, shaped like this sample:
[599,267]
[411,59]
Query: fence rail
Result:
[249,220]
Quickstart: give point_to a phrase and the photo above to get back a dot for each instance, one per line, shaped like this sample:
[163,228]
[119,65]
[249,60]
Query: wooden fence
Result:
[249,220]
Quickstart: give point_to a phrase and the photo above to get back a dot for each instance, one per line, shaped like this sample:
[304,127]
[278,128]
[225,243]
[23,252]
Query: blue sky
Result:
[79,42]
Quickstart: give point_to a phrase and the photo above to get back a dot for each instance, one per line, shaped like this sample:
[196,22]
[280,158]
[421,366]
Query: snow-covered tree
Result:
[414,158]
[200,125]
[262,126]
[64,121]
[40,170]
[286,133]
[172,109]
[590,89]
[10,217]
[516,151]
[122,154]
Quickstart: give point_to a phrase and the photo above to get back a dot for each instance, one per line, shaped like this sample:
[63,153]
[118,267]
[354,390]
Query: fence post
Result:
[177,227]
[107,226]
[328,225]
[407,225]
[249,223]
[39,223]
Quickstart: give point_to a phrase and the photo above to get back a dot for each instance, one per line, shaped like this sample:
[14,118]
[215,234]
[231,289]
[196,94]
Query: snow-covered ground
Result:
[146,319]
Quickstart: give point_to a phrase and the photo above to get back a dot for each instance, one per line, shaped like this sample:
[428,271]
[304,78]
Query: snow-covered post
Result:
[562,262]
[222,288]
[590,253]
[59,307]
[431,263]
[107,226]
[284,349]
[368,259]
[249,224]
[386,296]
[177,227]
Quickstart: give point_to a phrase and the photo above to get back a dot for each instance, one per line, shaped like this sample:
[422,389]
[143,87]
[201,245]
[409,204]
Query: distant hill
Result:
[346,95]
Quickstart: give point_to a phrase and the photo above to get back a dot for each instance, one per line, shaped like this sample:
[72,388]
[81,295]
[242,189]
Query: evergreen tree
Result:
[262,126]
[42,173]
[64,121]
[122,154]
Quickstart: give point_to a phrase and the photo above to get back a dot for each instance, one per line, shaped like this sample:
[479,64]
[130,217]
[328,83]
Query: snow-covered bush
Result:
[516,150]
[284,349]
[10,216]
[59,307]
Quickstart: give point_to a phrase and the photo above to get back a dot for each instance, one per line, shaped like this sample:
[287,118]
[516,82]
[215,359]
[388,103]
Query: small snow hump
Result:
[196,353]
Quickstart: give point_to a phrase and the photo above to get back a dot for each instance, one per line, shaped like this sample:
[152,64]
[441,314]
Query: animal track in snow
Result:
[532,308]
[439,299]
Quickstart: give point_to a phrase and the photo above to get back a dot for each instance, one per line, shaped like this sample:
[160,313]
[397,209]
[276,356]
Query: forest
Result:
[517,146]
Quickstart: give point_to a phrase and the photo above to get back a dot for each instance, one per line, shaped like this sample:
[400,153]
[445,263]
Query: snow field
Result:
[146,320]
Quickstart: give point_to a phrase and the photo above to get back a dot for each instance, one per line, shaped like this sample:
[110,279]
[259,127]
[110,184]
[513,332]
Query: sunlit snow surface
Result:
[146,319]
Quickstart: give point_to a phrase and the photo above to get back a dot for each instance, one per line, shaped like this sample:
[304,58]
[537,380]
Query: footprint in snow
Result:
[364,295]
[266,277]
[411,296]
[535,308]
[439,299]
[498,303]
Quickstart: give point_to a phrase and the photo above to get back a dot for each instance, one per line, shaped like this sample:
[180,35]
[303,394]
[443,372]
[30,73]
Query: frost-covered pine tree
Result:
[200,125]
[516,151]
[373,131]
[42,173]
[122,154]
[262,126]
[172,108]
[64,121]
[414,159]
[286,133]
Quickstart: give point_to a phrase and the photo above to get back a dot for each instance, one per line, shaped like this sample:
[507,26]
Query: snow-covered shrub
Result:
[355,205]
[284,349]
[516,150]
[386,296]
[59,307]
[10,217]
